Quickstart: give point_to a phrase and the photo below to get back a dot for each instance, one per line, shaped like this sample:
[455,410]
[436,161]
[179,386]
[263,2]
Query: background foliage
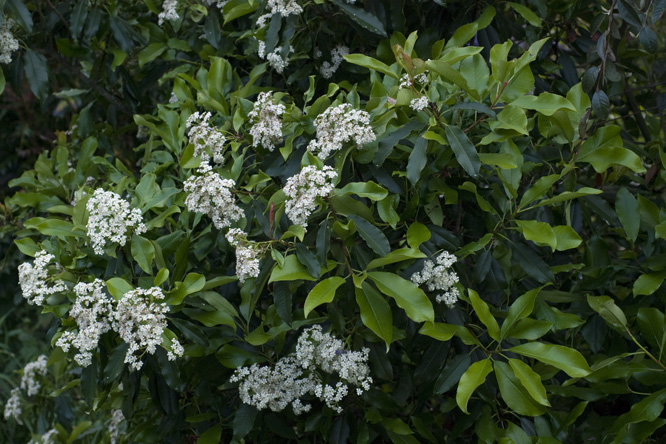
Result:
[538,162]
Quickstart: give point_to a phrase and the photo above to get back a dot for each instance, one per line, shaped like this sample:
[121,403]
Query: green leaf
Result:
[502,160]
[193,283]
[530,380]
[408,296]
[613,314]
[403,254]
[567,238]
[600,104]
[3,82]
[464,150]
[307,258]
[20,13]
[36,71]
[527,14]
[514,392]
[451,374]
[237,8]
[143,252]
[364,18]
[363,189]
[291,270]
[512,118]
[417,233]
[322,293]
[372,235]
[28,246]
[470,380]
[211,436]
[371,63]
[648,409]
[648,39]
[568,195]
[296,231]
[483,312]
[566,359]
[118,287]
[530,329]
[626,206]
[539,189]
[54,227]
[651,324]
[521,308]
[375,312]
[538,232]
[78,18]
[441,332]
[417,160]
[545,103]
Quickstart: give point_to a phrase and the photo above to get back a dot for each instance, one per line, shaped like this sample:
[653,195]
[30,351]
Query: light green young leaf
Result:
[521,308]
[417,233]
[408,296]
[483,312]
[567,238]
[566,359]
[322,293]
[545,103]
[540,233]
[527,14]
[470,380]
[291,270]
[530,380]
[367,189]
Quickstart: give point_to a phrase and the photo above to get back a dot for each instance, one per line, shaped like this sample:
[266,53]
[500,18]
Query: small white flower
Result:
[267,129]
[13,407]
[168,12]
[299,374]
[440,277]
[8,43]
[34,279]
[207,140]
[303,189]
[212,195]
[337,57]
[117,418]
[248,254]
[419,104]
[29,381]
[92,312]
[110,220]
[140,320]
[338,125]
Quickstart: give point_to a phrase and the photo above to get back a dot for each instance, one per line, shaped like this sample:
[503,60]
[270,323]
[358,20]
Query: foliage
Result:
[527,142]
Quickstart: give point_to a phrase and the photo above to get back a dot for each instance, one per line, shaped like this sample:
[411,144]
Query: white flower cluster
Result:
[274,58]
[406,80]
[110,219]
[219,3]
[248,254]
[337,57]
[212,195]
[34,279]
[267,130]
[140,321]
[49,437]
[117,418]
[92,312]
[207,140]
[29,381]
[13,407]
[283,7]
[440,277]
[303,189]
[8,43]
[296,375]
[419,104]
[338,125]
[168,12]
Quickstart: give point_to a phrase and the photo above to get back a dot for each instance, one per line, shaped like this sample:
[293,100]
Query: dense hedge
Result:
[335,220]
